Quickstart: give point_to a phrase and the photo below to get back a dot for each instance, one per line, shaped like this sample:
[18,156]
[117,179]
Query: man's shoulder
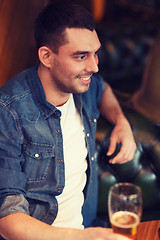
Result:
[95,91]
[97,85]
[97,82]
[17,86]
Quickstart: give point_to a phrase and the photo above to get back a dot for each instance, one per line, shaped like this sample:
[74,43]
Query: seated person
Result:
[48,181]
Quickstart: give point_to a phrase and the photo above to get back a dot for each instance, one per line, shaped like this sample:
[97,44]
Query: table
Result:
[148,230]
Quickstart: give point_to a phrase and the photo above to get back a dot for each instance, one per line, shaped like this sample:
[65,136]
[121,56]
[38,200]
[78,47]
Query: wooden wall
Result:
[17,49]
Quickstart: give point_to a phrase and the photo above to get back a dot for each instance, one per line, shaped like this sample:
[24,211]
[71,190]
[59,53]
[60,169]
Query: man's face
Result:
[76,61]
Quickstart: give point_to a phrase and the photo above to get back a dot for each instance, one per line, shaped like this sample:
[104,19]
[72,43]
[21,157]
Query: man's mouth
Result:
[85,79]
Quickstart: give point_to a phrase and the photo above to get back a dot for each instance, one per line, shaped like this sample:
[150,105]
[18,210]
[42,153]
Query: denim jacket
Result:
[31,148]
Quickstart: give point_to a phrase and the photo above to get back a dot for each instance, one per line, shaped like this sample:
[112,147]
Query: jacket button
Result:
[87,134]
[61,160]
[55,205]
[57,131]
[59,189]
[36,155]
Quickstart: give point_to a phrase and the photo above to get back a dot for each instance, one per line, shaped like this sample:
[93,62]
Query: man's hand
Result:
[102,234]
[122,133]
[110,108]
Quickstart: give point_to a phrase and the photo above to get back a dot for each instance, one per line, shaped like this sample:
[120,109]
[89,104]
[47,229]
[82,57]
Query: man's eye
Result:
[81,57]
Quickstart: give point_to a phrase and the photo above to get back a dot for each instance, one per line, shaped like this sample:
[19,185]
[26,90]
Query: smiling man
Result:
[48,179]
[71,69]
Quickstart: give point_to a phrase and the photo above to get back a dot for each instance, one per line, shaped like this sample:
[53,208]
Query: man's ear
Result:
[45,55]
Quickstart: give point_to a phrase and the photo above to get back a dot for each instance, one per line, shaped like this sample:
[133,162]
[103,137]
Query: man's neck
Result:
[52,96]
[57,103]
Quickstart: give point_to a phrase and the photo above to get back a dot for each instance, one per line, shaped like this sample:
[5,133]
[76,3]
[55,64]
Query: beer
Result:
[125,223]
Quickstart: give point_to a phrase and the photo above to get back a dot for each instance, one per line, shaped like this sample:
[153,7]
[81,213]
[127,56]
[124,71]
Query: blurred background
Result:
[127,30]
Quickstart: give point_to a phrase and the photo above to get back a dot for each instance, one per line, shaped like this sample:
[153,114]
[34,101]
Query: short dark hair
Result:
[51,23]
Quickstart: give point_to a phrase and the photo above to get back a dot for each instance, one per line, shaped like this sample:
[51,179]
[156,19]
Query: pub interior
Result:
[128,30]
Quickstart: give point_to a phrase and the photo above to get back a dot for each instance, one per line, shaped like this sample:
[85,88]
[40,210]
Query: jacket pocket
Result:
[38,158]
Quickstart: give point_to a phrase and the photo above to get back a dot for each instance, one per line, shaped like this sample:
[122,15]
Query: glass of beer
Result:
[125,208]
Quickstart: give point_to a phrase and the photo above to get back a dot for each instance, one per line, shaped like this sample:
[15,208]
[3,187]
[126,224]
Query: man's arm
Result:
[20,226]
[122,133]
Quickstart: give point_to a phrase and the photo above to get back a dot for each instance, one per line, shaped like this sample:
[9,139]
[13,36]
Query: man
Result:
[47,135]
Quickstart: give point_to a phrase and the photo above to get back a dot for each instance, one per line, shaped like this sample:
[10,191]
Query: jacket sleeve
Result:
[12,179]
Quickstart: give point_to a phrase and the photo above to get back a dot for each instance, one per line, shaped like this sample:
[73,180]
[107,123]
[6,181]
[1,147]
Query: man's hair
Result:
[51,23]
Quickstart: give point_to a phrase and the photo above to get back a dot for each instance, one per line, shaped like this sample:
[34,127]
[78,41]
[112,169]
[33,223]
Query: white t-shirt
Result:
[71,200]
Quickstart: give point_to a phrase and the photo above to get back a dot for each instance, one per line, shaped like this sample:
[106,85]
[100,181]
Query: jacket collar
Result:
[46,108]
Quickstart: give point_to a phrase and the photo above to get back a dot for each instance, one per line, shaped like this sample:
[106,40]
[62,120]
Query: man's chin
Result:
[80,91]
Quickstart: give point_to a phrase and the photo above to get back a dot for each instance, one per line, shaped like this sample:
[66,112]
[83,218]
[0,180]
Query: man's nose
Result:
[92,64]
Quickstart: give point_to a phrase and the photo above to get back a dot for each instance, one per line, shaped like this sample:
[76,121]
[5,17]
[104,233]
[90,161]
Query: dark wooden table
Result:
[148,230]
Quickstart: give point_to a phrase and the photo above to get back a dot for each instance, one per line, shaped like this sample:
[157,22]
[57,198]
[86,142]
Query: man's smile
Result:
[85,79]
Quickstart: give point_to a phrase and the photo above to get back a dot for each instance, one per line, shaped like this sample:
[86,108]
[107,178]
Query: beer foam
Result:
[125,219]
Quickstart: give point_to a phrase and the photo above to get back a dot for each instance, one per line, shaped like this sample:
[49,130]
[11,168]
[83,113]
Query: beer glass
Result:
[125,208]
